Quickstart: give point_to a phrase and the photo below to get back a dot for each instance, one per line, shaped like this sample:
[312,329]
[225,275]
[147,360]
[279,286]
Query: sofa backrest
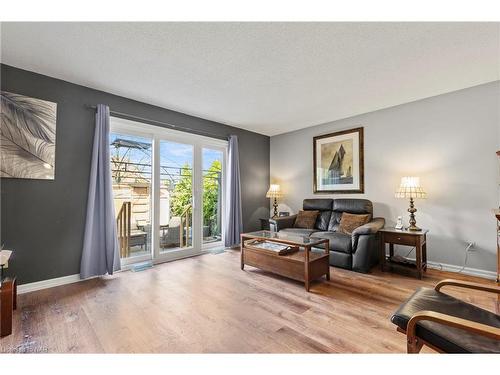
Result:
[330,210]
[352,206]
[324,206]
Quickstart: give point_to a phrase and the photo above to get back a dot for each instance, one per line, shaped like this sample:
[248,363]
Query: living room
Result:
[250,187]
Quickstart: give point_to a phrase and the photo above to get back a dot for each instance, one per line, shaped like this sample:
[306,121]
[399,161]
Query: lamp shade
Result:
[410,188]
[4,257]
[274,192]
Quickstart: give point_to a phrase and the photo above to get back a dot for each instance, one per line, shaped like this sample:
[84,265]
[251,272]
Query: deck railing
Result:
[185,218]
[123,227]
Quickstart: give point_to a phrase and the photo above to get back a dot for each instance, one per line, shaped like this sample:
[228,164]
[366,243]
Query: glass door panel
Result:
[212,195]
[131,171]
[176,196]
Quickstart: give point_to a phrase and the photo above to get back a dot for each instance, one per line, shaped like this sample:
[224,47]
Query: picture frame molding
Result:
[361,189]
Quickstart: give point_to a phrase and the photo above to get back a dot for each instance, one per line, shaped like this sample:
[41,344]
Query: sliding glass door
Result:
[212,160]
[131,171]
[168,191]
[176,196]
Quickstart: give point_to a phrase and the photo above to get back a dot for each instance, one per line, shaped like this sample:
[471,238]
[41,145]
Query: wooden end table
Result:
[8,303]
[304,265]
[415,239]
[496,212]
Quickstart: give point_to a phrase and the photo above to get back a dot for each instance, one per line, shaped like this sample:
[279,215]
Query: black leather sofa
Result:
[357,252]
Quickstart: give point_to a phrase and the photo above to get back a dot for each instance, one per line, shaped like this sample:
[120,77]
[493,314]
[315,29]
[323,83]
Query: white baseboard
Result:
[467,270]
[50,283]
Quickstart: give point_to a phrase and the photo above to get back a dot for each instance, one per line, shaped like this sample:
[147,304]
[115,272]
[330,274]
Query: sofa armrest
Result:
[365,245]
[282,222]
[372,227]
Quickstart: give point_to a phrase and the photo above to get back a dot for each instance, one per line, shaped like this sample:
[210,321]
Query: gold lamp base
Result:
[275,206]
[413,227]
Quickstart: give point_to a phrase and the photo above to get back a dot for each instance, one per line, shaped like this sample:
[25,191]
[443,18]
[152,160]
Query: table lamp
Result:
[274,192]
[410,188]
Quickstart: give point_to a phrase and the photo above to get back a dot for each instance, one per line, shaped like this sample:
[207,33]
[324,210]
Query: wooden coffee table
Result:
[304,265]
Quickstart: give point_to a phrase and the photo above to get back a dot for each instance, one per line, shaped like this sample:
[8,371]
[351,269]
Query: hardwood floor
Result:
[207,304]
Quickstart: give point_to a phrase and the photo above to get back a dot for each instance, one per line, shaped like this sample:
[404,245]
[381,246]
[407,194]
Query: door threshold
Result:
[154,262]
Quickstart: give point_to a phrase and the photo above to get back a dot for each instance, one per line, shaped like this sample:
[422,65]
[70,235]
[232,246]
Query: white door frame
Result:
[223,150]
[199,142]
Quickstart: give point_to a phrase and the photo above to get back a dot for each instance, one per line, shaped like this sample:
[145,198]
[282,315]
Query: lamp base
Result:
[413,227]
[275,206]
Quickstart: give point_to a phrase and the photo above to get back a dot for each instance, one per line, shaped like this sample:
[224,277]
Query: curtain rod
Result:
[164,124]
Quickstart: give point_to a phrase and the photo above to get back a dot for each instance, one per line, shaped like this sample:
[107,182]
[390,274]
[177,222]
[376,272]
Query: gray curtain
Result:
[100,243]
[233,223]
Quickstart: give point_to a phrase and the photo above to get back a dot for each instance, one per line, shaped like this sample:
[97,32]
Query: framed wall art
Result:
[28,137]
[338,162]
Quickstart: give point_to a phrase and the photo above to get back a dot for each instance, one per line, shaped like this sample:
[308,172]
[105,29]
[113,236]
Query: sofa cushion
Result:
[324,206]
[298,231]
[334,223]
[450,340]
[306,219]
[352,206]
[323,220]
[338,241]
[349,222]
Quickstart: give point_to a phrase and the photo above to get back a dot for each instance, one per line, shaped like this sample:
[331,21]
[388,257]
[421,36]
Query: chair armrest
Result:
[468,285]
[452,321]
[282,222]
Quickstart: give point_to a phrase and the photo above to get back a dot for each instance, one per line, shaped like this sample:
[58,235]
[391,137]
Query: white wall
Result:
[449,141]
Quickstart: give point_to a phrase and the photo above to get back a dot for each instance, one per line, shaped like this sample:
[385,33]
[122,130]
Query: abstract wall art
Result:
[28,137]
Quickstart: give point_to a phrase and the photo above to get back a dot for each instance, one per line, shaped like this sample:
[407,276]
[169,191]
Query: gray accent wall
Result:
[449,141]
[43,221]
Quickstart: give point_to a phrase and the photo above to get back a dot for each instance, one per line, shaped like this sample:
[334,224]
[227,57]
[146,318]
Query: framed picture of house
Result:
[338,162]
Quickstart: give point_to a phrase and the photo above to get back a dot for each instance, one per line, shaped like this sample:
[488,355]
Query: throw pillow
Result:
[306,219]
[349,222]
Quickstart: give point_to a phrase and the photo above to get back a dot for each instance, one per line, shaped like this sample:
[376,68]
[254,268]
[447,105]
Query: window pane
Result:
[212,195]
[176,195]
[131,174]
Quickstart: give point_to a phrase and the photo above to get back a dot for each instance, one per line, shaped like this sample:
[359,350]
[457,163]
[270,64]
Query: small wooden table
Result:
[415,239]
[8,303]
[304,265]
[496,212]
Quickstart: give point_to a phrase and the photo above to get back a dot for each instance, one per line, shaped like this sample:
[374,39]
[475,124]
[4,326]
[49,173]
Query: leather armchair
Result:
[447,324]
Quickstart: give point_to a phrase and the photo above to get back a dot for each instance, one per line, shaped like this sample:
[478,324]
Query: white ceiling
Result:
[270,78]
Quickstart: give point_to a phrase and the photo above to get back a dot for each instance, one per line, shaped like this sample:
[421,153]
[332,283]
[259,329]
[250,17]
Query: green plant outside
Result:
[181,196]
